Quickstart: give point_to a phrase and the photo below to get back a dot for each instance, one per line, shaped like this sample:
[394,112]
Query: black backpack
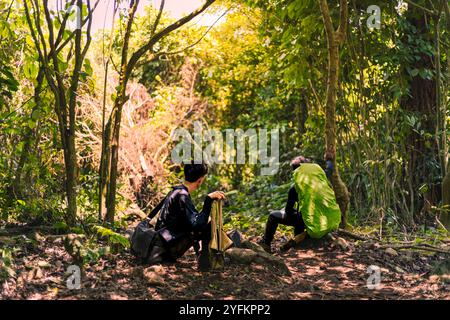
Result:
[144,234]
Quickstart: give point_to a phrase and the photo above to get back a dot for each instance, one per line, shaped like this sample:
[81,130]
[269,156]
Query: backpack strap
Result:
[155,210]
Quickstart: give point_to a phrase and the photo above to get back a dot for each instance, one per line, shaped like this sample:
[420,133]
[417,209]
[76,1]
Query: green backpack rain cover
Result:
[316,199]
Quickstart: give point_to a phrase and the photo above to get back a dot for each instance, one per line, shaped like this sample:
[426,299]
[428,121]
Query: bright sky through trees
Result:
[175,8]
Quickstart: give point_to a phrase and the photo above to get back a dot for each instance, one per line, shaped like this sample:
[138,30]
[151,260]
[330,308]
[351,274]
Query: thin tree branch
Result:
[420,7]
[76,70]
[198,40]
[158,36]
[70,37]
[49,25]
[89,27]
[63,24]
[133,8]
[37,19]
[343,17]
[158,18]
[327,20]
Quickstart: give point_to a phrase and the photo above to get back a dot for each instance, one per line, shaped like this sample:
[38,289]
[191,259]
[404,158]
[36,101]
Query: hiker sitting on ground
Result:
[180,226]
[291,215]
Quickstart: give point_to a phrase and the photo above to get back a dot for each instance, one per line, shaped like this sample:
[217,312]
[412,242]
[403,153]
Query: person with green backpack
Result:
[311,206]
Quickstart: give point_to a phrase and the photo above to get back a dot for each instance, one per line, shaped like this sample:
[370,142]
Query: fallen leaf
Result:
[391,252]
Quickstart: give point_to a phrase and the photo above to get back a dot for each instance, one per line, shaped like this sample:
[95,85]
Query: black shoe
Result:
[285,247]
[265,246]
[203,262]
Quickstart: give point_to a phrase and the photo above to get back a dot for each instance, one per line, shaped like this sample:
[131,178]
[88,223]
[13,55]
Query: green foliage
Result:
[248,210]
[8,84]
[262,67]
[265,79]
[92,252]
[6,263]
[88,196]
[112,237]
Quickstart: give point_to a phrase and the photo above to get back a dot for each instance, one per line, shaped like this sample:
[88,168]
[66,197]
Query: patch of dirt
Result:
[319,270]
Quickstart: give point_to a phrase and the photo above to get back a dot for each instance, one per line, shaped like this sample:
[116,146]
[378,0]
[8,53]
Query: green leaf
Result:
[31,124]
[426,74]
[35,115]
[423,189]
[291,10]
[8,79]
[88,68]
[413,72]
[61,225]
[4,30]
[62,65]
[30,70]
[112,236]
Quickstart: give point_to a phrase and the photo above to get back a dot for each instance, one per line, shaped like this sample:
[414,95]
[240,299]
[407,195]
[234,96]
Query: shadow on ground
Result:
[318,271]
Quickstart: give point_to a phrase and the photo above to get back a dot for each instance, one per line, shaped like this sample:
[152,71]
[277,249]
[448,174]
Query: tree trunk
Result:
[71,161]
[422,142]
[334,40]
[114,163]
[71,179]
[65,97]
[110,158]
[445,217]
[340,189]
[105,170]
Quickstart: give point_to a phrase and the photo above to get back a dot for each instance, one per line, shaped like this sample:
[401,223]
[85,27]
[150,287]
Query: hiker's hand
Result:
[217,195]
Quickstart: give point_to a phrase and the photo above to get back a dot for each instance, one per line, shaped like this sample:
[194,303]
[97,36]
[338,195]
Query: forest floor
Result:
[317,271]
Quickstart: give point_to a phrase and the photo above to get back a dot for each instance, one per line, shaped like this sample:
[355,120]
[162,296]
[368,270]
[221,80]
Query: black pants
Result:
[200,242]
[280,217]
[170,252]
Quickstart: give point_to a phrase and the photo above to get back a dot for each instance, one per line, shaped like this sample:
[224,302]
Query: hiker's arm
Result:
[292,199]
[196,219]
[329,157]
[329,169]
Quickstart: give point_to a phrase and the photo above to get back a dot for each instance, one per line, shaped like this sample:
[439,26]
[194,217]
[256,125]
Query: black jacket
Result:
[178,216]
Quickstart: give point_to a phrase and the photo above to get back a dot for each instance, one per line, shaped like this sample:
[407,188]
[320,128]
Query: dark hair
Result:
[329,156]
[193,171]
[297,161]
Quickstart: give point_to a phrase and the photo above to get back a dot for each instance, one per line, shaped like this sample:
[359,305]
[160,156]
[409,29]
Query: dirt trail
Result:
[317,272]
